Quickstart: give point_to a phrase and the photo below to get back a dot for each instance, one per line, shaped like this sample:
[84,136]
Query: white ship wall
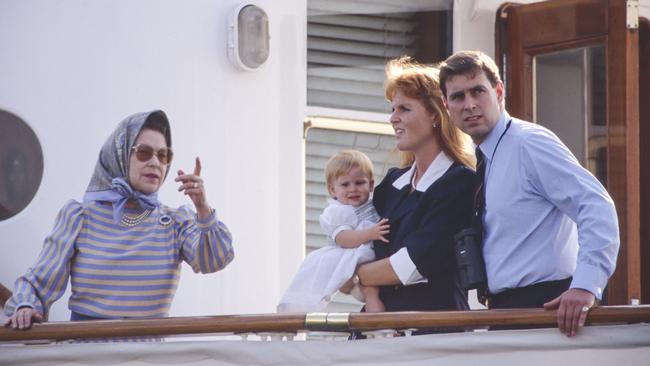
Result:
[72,69]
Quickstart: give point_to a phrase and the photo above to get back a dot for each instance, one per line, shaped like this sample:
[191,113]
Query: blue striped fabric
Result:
[367,212]
[118,271]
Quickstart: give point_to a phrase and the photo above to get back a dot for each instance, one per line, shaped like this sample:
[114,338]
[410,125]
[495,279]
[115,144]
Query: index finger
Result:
[197,167]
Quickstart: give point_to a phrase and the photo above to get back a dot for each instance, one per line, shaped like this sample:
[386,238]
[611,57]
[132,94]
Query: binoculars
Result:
[469,257]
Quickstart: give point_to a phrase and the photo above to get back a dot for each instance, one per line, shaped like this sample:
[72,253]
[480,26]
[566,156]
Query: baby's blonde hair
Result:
[341,163]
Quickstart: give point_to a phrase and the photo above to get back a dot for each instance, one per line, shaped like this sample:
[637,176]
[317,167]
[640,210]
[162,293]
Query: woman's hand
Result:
[22,318]
[192,185]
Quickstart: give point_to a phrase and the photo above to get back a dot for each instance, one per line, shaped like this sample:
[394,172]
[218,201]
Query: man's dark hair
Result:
[468,63]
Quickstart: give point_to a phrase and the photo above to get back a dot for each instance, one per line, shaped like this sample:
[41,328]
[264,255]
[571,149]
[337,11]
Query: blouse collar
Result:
[435,170]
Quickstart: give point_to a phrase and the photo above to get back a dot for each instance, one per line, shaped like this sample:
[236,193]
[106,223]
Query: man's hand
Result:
[22,318]
[572,309]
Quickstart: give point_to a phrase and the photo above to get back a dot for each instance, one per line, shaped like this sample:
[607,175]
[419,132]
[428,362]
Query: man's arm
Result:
[556,174]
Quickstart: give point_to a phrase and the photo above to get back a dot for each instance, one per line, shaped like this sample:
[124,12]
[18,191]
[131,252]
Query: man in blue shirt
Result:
[550,230]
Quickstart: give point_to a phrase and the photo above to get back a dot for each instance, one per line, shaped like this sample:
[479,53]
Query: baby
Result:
[351,224]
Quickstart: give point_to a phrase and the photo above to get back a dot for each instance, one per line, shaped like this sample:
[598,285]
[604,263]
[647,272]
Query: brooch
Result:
[165,220]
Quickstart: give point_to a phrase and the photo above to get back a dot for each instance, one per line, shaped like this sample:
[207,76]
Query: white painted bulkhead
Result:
[72,69]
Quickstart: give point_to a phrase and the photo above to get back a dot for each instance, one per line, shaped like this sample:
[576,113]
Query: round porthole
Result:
[21,165]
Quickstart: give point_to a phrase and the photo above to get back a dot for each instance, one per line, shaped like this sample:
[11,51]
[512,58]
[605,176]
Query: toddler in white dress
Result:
[351,224]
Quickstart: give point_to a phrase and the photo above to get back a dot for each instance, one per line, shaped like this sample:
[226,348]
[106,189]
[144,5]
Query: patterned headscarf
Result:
[110,178]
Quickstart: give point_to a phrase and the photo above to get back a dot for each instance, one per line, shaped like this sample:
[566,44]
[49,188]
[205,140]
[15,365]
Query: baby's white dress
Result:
[325,270]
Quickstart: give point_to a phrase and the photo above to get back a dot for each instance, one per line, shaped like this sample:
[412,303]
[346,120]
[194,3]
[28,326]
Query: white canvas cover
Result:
[603,345]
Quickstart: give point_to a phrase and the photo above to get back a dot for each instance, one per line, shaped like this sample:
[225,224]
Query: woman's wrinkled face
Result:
[147,176]
[412,122]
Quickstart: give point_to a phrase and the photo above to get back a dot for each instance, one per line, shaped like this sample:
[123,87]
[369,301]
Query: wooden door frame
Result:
[577,23]
[644,156]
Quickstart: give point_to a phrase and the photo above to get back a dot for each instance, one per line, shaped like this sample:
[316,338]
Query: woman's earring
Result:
[435,125]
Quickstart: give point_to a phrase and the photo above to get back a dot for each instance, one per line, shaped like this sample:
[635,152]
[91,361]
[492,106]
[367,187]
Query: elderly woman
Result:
[426,201]
[121,247]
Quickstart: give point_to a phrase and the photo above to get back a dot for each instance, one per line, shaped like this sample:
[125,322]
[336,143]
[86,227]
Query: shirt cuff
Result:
[26,305]
[339,229]
[405,268]
[208,222]
[590,278]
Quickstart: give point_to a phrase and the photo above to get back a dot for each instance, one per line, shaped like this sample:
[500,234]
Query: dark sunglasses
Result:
[144,153]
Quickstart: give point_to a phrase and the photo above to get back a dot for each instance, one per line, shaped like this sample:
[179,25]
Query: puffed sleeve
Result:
[431,245]
[336,218]
[206,245]
[46,281]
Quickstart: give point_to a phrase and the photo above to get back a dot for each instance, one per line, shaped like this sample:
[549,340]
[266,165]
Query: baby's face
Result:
[352,188]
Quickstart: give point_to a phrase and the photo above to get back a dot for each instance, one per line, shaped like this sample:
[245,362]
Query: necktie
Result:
[479,208]
[479,195]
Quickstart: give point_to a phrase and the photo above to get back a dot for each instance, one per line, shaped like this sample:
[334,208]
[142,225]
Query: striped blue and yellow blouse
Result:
[118,271]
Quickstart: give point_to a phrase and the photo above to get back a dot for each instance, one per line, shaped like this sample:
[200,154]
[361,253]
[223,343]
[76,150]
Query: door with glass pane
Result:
[571,65]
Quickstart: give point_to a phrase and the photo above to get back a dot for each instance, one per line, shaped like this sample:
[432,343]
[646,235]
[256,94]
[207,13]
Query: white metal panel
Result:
[73,69]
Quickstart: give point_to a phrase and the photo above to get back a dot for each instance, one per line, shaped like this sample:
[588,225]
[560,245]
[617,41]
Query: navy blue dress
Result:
[425,223]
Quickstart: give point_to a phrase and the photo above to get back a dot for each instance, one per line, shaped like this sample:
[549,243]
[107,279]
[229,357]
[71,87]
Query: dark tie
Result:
[479,208]
[479,195]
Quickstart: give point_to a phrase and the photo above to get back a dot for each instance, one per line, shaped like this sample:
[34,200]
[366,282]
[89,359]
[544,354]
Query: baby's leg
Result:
[373,303]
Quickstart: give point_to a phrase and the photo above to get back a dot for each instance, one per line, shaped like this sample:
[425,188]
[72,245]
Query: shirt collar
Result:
[490,143]
[435,170]
[333,201]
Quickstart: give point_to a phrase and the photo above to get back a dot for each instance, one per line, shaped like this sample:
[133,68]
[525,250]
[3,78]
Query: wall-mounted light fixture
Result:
[248,37]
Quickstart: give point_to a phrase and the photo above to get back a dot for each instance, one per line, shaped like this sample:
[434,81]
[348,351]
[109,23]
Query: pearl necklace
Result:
[132,221]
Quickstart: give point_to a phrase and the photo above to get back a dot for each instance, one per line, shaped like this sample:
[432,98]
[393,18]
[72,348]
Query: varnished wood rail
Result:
[315,321]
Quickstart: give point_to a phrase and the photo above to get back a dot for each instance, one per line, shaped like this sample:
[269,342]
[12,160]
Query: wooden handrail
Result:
[294,322]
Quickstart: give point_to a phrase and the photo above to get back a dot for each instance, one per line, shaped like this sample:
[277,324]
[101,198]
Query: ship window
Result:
[21,165]
[349,42]
[348,45]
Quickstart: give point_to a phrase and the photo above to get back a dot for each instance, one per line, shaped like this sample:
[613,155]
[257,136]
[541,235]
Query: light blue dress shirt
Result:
[546,217]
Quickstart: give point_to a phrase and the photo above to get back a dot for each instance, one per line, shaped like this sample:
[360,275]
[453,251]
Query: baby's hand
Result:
[380,229]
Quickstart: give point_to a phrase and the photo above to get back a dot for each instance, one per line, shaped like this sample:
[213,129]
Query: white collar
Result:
[333,201]
[435,170]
